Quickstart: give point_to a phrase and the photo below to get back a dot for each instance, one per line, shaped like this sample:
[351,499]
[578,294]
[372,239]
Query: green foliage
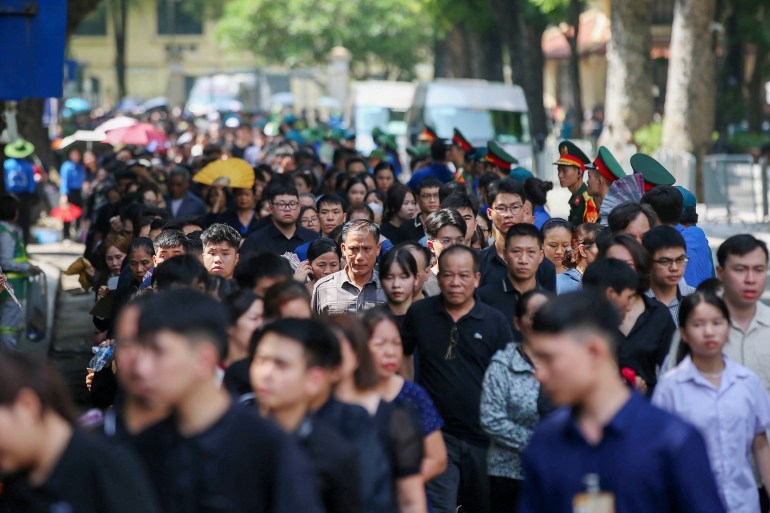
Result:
[394,33]
[742,142]
[650,137]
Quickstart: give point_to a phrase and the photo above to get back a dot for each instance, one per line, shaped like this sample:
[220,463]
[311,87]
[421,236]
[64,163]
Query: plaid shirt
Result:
[673,307]
[336,294]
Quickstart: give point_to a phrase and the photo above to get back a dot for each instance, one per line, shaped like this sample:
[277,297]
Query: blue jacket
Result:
[435,170]
[72,177]
[701,264]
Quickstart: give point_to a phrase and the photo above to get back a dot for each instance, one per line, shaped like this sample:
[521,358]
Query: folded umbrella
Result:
[67,213]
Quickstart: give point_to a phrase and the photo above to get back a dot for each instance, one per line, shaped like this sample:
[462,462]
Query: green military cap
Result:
[418,151]
[571,155]
[377,153]
[459,140]
[313,134]
[499,157]
[336,135]
[607,165]
[388,141]
[652,171]
[377,133]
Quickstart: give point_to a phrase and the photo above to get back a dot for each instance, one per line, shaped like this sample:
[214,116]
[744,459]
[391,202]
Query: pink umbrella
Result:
[117,122]
[140,135]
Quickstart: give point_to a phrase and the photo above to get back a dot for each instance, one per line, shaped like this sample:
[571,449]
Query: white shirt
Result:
[752,347]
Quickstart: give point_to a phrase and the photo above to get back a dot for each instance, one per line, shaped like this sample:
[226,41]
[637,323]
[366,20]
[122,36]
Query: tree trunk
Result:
[690,95]
[575,7]
[459,56]
[486,55]
[523,38]
[440,58]
[119,15]
[628,104]
[756,86]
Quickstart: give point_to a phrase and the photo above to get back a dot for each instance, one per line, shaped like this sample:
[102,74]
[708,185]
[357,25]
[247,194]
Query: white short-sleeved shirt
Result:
[728,418]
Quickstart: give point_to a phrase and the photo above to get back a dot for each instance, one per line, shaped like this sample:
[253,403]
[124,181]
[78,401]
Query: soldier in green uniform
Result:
[571,166]
[652,171]
[601,174]
[15,264]
[458,154]
[500,159]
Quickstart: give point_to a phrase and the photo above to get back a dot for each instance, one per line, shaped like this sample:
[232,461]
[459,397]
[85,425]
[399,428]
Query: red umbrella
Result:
[67,213]
[141,135]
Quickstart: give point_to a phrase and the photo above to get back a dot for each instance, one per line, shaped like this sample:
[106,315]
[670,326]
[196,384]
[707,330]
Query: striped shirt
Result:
[336,294]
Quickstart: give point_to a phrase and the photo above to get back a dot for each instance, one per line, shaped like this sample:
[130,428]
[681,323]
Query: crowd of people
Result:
[334,339]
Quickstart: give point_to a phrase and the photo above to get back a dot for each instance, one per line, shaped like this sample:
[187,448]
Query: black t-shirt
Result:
[332,457]
[648,342]
[411,230]
[503,297]
[271,239]
[89,477]
[390,232]
[494,269]
[236,379]
[455,384]
[243,463]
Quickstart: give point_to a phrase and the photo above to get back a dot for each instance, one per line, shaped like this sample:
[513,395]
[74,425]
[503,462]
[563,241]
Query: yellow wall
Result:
[147,63]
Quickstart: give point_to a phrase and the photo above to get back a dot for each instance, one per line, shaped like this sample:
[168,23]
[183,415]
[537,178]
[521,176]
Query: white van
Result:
[383,104]
[481,110]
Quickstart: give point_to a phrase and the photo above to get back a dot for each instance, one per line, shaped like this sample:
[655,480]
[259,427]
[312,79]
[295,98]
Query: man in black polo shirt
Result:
[429,202]
[283,234]
[506,208]
[444,228]
[456,336]
[524,253]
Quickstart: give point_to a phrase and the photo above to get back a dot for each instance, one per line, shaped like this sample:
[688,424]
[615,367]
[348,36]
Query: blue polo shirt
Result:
[436,170]
[701,264]
[650,460]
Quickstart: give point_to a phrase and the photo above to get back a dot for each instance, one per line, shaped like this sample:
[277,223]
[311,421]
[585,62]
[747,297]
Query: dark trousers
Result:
[504,494]
[465,481]
[75,197]
[26,206]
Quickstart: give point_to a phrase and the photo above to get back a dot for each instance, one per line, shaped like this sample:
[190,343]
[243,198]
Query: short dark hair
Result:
[438,150]
[441,218]
[275,188]
[219,233]
[667,203]
[353,160]
[9,207]
[663,237]
[384,166]
[169,239]
[320,345]
[625,213]
[610,273]
[458,248]
[238,303]
[179,271]
[451,188]
[487,179]
[192,314]
[579,311]
[180,222]
[399,256]
[264,264]
[329,199]
[281,293]
[429,183]
[505,186]
[523,230]
[458,200]
[194,245]
[522,305]
[739,245]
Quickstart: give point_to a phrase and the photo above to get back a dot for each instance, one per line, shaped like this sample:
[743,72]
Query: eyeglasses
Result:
[666,262]
[514,209]
[454,338]
[446,242]
[291,205]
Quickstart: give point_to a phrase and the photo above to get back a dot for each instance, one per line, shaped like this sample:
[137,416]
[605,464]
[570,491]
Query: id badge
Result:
[594,502]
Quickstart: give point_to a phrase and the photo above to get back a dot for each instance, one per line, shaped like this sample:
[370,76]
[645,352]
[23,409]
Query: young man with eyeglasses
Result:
[668,253]
[456,336]
[506,208]
[282,235]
